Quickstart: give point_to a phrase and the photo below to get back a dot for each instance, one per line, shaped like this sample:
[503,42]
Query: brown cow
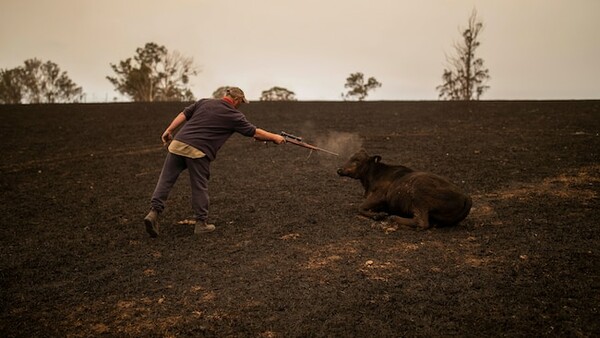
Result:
[412,198]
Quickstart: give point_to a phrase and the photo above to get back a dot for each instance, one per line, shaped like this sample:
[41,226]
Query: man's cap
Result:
[237,93]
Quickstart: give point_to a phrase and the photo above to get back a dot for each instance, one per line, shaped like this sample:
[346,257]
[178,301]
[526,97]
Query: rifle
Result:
[299,142]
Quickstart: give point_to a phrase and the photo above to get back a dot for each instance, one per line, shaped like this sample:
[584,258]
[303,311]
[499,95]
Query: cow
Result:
[405,196]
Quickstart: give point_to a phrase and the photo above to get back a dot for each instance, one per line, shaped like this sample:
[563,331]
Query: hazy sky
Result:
[534,49]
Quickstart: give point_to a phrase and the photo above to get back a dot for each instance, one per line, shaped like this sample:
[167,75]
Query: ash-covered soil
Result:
[290,257]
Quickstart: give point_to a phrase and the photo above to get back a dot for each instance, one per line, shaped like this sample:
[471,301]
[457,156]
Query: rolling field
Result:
[290,256]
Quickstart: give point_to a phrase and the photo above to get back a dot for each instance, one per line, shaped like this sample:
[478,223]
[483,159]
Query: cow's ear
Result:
[376,159]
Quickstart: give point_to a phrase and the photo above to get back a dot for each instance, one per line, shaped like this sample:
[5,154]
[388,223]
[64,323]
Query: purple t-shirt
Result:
[210,122]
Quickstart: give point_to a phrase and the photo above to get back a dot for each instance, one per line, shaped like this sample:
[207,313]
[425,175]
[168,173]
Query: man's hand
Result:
[166,137]
[278,139]
[263,135]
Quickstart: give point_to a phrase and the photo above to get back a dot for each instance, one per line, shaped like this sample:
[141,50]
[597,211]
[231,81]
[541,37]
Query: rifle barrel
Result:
[327,151]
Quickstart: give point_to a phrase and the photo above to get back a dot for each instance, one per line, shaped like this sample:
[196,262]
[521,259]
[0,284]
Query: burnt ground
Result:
[290,256]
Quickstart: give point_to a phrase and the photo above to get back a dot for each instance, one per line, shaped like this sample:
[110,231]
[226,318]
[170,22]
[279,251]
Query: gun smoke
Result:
[345,144]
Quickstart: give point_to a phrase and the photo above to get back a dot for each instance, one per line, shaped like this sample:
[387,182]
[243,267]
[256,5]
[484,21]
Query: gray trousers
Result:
[199,170]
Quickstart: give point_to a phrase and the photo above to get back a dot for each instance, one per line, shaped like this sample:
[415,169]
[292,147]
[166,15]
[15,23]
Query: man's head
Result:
[237,95]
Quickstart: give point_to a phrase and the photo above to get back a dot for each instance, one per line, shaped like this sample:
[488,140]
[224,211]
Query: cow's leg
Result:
[410,222]
[420,219]
[368,207]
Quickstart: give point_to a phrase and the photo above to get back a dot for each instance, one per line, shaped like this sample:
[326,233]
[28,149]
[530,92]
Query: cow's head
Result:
[358,164]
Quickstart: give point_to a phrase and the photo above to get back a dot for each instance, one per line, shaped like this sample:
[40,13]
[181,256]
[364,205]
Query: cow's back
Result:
[444,201]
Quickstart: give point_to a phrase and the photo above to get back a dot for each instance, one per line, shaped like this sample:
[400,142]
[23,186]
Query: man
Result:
[208,124]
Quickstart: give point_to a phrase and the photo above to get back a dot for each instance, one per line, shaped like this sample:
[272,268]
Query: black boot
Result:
[151,222]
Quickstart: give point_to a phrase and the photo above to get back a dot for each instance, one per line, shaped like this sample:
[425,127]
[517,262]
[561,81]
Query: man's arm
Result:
[263,135]
[167,136]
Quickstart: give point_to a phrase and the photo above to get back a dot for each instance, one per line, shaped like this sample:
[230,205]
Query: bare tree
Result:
[154,74]
[177,71]
[358,87]
[465,77]
[278,94]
